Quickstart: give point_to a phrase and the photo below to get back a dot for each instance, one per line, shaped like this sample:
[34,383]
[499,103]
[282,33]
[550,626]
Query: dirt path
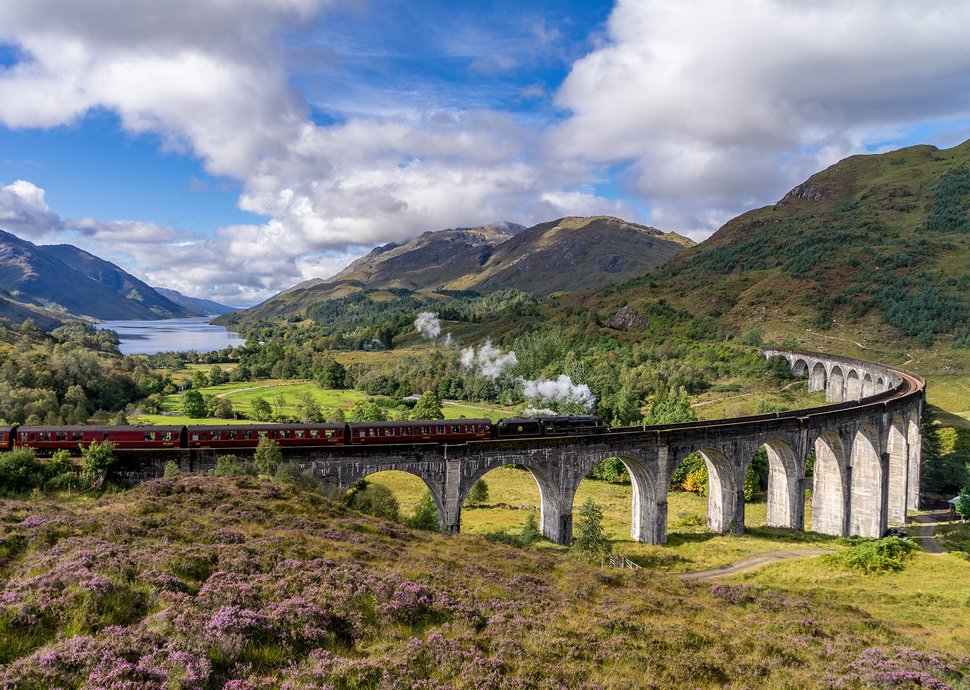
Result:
[752,562]
[927,527]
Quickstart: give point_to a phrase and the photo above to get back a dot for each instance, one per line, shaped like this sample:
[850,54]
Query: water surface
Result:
[171,335]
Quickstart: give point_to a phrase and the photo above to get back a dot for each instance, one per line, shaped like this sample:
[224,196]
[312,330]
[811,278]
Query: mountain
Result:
[205,307]
[62,281]
[874,244]
[567,254]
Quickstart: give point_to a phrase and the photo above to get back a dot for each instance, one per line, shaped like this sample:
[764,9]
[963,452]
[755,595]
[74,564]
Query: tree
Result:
[171,470]
[220,408]
[590,538]
[279,402]
[336,416]
[97,458]
[268,456]
[192,404]
[668,408]
[428,407]
[330,374]
[260,410]
[425,514]
[217,376]
[366,411]
[199,379]
[963,503]
[309,410]
[478,494]
[374,499]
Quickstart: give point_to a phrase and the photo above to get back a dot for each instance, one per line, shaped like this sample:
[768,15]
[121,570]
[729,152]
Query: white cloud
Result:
[24,211]
[722,105]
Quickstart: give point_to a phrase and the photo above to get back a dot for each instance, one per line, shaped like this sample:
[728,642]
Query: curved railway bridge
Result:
[866,446]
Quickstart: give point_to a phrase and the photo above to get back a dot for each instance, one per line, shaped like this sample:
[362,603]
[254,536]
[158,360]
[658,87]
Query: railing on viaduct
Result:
[866,448]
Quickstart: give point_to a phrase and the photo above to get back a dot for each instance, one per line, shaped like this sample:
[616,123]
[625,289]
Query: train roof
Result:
[261,427]
[85,427]
[419,422]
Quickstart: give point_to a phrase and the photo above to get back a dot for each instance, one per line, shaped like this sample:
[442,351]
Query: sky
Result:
[232,148]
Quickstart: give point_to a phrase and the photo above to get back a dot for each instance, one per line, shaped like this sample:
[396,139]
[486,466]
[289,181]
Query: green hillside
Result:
[879,241]
[205,582]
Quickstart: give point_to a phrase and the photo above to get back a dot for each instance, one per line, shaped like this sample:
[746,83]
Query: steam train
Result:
[47,439]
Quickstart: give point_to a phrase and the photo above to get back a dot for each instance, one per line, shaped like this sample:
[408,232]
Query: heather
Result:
[207,582]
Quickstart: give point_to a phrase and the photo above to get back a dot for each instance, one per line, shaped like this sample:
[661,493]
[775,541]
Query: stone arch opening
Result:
[829,481]
[799,368]
[897,446]
[866,508]
[620,480]
[836,390]
[775,467]
[880,384]
[725,499]
[408,489]
[515,491]
[868,385]
[853,385]
[817,379]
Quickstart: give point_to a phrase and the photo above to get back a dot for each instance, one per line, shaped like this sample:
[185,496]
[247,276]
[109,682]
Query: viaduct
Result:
[866,448]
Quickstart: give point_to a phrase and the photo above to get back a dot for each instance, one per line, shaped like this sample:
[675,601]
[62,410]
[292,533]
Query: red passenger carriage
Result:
[420,431]
[69,437]
[245,435]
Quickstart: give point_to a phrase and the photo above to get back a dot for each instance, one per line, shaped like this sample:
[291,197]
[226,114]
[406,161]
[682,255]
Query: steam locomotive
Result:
[46,439]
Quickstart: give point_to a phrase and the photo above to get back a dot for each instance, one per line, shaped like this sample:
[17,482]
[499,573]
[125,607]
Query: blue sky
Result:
[230,150]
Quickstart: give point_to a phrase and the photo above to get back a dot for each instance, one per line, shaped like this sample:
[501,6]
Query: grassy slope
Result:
[219,580]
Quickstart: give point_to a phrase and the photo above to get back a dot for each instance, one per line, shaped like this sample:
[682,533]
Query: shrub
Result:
[20,470]
[230,466]
[425,514]
[590,539]
[290,473]
[268,456]
[374,499]
[873,557]
[171,469]
[97,457]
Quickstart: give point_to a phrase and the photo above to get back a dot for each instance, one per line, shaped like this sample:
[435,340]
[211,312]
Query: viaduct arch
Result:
[866,445]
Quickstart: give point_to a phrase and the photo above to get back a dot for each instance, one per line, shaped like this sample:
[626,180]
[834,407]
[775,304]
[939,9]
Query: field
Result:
[242,395]
[513,495]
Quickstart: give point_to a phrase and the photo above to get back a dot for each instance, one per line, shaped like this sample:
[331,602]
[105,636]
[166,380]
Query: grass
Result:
[513,495]
[928,601]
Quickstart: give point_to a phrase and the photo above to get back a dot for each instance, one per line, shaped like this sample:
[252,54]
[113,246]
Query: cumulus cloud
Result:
[689,112]
[717,106]
[24,211]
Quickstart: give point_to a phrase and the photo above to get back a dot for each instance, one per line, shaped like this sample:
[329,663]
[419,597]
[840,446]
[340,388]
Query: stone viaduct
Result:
[866,448]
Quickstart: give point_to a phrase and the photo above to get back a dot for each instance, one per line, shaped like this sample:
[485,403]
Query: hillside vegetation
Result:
[202,582]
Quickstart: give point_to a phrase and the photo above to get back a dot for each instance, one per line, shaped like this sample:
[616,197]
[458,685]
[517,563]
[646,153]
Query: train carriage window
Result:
[299,433]
[149,435]
[230,435]
[327,432]
[372,431]
[468,429]
[363,433]
[215,436]
[262,434]
[77,435]
[440,429]
[3,435]
[61,435]
[388,431]
[454,429]
[195,435]
[166,436]
[315,433]
[45,436]
[425,430]
[284,433]
[248,435]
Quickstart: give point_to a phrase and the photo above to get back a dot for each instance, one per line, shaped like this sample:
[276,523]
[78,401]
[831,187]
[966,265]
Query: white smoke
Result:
[449,341]
[428,325]
[541,412]
[560,390]
[488,360]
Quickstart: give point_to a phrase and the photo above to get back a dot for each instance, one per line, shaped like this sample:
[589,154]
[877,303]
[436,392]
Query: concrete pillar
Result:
[898,457]
[786,487]
[830,494]
[914,463]
[869,487]
[725,497]
[450,510]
